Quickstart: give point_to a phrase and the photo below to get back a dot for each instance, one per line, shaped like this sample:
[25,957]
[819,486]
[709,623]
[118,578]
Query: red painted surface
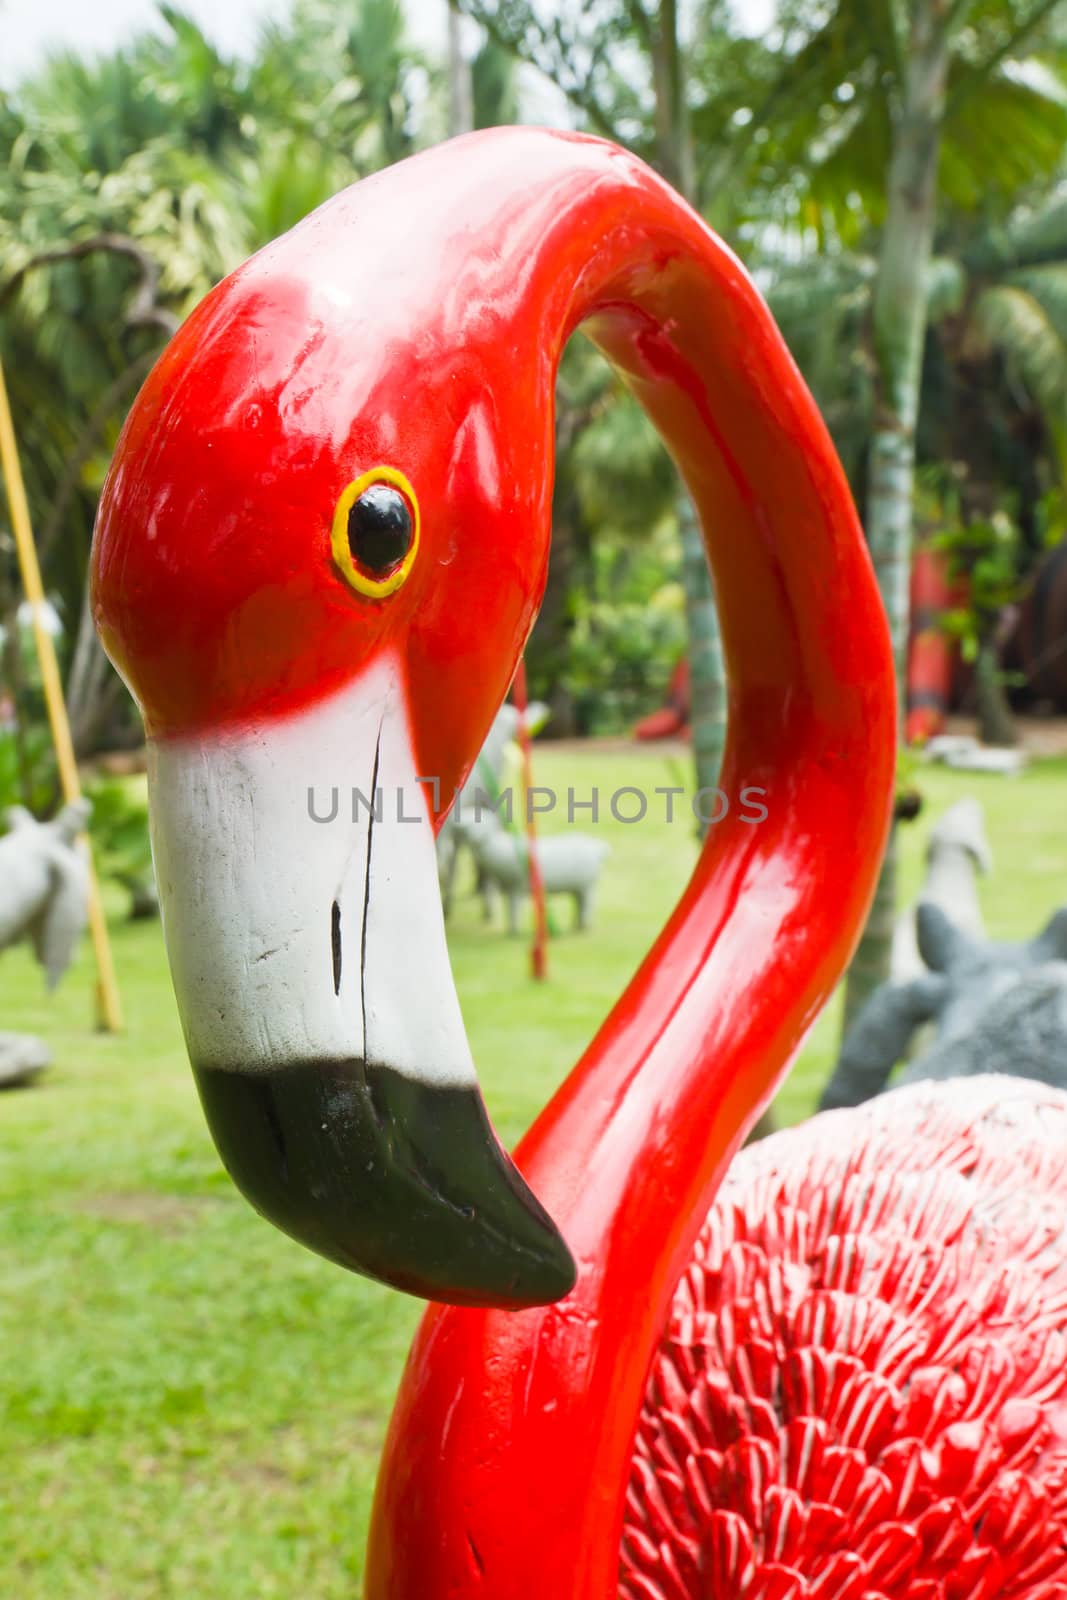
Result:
[932,652]
[417,321]
[861,1389]
[671,721]
[509,1452]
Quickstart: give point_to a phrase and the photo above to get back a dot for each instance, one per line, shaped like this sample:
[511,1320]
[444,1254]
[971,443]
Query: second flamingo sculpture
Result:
[320,550]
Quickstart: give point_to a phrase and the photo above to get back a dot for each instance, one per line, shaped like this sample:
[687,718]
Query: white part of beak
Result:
[302,916]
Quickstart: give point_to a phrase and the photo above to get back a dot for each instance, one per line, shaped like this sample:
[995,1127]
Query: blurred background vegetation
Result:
[130,182]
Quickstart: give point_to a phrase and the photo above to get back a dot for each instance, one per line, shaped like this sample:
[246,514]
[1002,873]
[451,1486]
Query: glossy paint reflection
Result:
[417,320]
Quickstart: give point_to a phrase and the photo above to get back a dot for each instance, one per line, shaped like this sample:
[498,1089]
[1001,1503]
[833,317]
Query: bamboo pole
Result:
[108,1007]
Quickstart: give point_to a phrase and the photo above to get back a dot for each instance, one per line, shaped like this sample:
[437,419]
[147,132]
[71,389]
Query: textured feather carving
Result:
[862,1390]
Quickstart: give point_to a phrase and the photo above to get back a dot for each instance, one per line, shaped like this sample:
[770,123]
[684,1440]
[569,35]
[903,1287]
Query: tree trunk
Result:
[460,88]
[870,964]
[548,645]
[707,677]
[996,725]
[899,327]
[674,146]
[92,684]
[569,568]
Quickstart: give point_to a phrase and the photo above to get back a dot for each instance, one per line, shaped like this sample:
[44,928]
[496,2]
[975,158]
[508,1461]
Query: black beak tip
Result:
[389,1176]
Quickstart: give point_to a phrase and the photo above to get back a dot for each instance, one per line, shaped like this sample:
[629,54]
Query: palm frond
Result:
[1000,141]
[946,288]
[1032,235]
[1011,318]
[802,291]
[1047,287]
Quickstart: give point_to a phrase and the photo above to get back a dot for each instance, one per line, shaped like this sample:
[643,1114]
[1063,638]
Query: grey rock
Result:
[22,1059]
[966,754]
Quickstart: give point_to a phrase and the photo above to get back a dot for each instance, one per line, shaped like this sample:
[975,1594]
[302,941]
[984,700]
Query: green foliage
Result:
[494,94]
[909,771]
[625,477]
[1051,517]
[118,827]
[629,631]
[986,552]
[989,552]
[197,159]
[822,303]
[342,79]
[593,646]
[27,769]
[187,161]
[986,548]
[828,100]
[28,773]
[118,823]
[996,351]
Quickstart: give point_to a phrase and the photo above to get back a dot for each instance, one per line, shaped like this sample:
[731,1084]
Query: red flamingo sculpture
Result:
[319,552]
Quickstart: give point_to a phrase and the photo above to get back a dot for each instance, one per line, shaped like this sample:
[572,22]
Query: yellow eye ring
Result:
[380,522]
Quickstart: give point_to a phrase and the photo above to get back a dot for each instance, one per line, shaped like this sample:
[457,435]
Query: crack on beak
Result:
[366,887]
[277,1133]
[335,943]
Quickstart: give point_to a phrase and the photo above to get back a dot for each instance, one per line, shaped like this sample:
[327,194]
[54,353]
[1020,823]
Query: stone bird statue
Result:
[994,1008]
[44,885]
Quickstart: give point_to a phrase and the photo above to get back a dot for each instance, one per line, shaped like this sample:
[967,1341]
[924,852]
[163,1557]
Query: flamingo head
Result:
[319,551]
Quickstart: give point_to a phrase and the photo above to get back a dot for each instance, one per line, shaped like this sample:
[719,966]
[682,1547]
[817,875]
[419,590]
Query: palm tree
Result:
[118,227]
[132,183]
[843,118]
[623,65]
[897,109]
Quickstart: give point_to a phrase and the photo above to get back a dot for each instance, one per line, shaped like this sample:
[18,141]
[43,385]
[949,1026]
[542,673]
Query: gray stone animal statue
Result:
[956,852]
[44,885]
[486,776]
[570,863]
[995,1008]
[966,754]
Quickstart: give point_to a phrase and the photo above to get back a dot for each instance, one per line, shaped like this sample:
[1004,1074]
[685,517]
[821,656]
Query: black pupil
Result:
[380,528]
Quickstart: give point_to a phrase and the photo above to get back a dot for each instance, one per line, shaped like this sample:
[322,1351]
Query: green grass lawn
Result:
[192,1405]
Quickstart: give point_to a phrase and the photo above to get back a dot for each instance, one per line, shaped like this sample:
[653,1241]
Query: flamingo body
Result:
[862,1388]
[319,551]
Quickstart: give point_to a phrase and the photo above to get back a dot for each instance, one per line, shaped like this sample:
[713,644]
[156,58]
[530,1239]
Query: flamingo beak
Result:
[298,883]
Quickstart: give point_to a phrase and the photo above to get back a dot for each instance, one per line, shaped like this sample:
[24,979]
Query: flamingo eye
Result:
[376,532]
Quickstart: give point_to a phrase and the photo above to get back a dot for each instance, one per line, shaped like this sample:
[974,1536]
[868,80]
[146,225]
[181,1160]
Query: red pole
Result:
[931,653]
[539,946]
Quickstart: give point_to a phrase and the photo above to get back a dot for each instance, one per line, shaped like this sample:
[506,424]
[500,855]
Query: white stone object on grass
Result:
[44,885]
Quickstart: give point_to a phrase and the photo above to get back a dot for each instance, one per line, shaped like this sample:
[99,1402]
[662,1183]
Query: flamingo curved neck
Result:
[508,1456]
